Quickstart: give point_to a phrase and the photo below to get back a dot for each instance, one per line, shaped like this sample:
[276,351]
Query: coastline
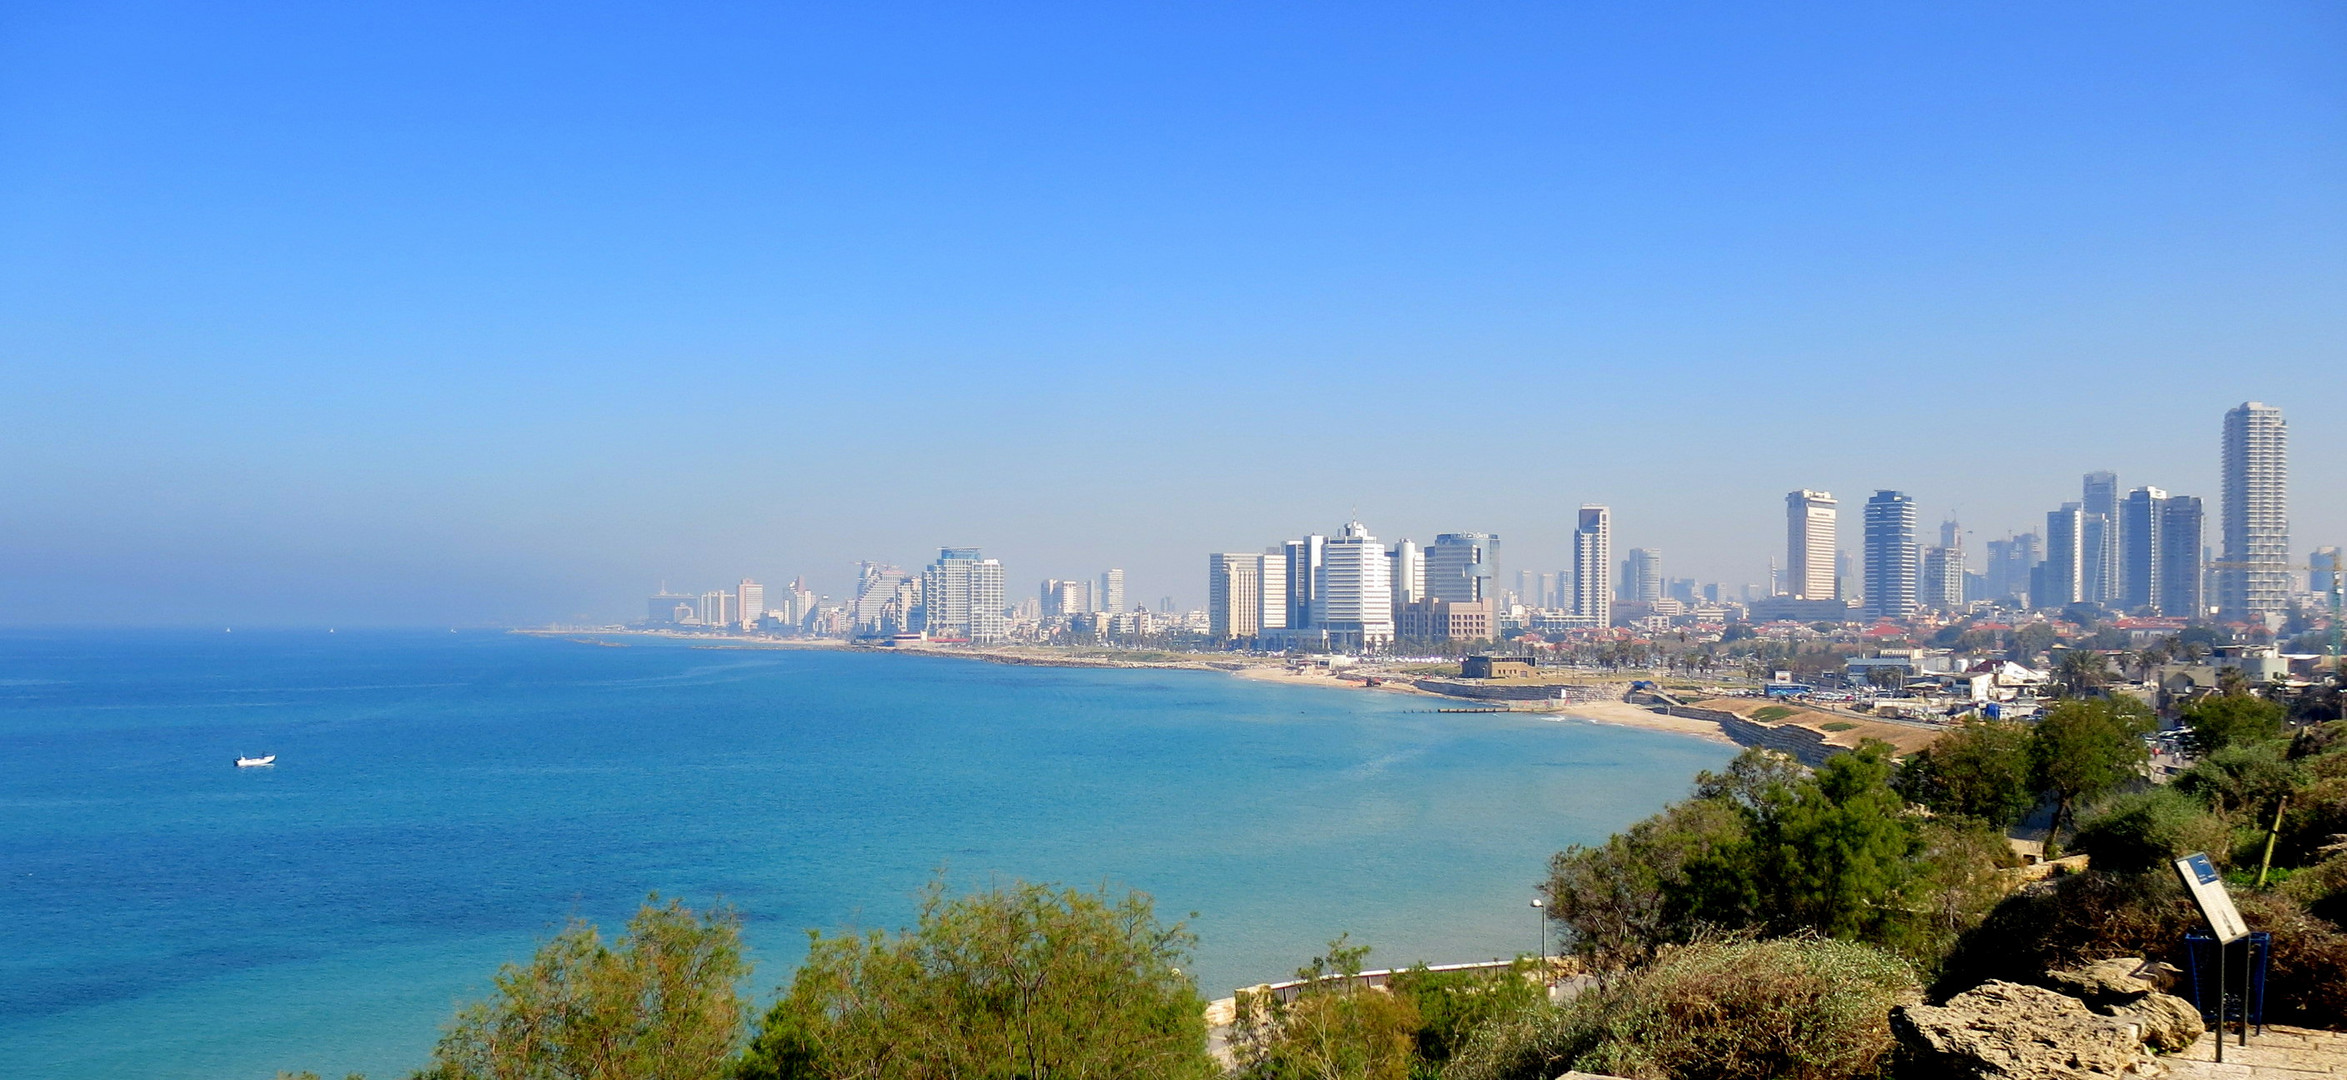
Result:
[1254,669]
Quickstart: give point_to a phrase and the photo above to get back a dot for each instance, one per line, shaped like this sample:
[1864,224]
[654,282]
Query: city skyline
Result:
[294,337]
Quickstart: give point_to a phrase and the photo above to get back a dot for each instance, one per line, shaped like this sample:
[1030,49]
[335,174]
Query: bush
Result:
[1022,981]
[2147,830]
[660,1002]
[1719,1009]
[2322,889]
[1334,1028]
[2224,720]
[1769,714]
[2073,920]
[1453,1005]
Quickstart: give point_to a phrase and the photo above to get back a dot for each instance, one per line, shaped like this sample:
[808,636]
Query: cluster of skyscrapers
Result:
[1353,592]
[2131,551]
[2138,552]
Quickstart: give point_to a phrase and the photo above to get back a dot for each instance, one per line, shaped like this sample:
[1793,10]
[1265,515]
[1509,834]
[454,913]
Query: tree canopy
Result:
[1980,770]
[1028,981]
[659,1002]
[2085,749]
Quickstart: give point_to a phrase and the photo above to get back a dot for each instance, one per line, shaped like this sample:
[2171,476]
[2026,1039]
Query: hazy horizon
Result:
[431,314]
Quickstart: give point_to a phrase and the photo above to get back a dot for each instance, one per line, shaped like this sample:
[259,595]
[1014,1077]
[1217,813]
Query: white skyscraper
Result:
[2254,586]
[961,597]
[1809,545]
[1272,573]
[1111,597]
[1234,595]
[1459,567]
[1353,600]
[1642,576]
[749,602]
[1408,572]
[1593,558]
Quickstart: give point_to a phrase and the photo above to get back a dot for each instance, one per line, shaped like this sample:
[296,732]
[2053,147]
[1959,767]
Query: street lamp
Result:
[1540,915]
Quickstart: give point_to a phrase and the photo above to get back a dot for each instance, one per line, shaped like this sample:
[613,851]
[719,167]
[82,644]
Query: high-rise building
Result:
[2322,579]
[1809,545]
[1353,601]
[749,602]
[1893,560]
[1272,578]
[1234,595]
[2142,518]
[1593,557]
[1111,597]
[2060,580]
[1459,566]
[2183,559]
[961,597]
[2255,585]
[1303,577]
[1642,576]
[2100,579]
[2011,562]
[1943,583]
[1407,570]
[877,589]
[1064,598]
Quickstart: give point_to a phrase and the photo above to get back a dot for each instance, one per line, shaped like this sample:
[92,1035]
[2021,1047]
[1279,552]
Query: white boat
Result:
[249,762]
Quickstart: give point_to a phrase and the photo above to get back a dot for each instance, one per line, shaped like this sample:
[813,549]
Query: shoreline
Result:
[1612,713]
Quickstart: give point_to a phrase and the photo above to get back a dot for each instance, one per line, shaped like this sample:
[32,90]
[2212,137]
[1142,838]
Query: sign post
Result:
[2224,923]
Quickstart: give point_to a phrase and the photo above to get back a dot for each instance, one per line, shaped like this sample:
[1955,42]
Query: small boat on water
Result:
[249,762]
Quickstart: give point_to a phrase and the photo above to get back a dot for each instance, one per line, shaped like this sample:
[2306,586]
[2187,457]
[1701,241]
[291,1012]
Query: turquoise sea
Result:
[443,800]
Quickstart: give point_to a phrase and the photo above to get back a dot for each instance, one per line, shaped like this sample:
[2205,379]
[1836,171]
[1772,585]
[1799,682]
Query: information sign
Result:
[2208,890]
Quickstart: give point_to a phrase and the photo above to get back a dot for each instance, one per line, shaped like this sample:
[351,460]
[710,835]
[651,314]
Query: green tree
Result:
[1335,1029]
[2082,672]
[660,1002]
[2085,749]
[1979,771]
[1030,981]
[2240,777]
[1827,854]
[1618,900]
[2221,720]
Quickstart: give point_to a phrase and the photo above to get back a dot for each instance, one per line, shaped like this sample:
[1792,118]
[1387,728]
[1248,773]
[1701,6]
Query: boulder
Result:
[2169,1024]
[2105,982]
[2008,1031]
[2127,989]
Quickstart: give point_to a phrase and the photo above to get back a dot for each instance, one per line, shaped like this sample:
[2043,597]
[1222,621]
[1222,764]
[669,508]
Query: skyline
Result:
[429,315]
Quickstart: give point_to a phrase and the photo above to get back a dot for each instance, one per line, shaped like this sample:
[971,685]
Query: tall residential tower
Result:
[1893,560]
[2255,585]
[1593,557]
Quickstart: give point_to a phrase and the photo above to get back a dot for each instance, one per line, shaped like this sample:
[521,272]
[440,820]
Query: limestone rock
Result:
[2170,1024]
[2105,982]
[2127,989]
[2007,1031]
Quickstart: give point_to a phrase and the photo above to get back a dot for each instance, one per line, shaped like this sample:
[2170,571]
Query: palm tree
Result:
[2082,672]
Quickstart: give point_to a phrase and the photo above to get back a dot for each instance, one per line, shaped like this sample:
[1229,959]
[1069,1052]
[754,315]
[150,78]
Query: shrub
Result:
[1453,1005]
[661,1001]
[2322,889]
[2146,830]
[1720,1009]
[1769,714]
[1838,725]
[2080,918]
[1021,981]
[1334,1028]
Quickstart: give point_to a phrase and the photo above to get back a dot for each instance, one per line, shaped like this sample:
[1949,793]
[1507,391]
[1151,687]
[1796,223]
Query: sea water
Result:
[443,801]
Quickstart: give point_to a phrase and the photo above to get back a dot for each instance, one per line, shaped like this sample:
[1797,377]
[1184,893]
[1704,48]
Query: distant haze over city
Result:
[433,315]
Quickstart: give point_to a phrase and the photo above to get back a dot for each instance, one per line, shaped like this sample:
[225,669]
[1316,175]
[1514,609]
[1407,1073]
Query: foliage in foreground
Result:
[1770,847]
[1718,1009]
[661,1002]
[1026,981]
[1335,1029]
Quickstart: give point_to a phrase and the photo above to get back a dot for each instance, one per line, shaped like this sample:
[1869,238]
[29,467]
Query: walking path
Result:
[2282,1053]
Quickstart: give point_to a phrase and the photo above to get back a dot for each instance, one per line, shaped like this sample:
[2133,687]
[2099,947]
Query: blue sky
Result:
[417,313]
